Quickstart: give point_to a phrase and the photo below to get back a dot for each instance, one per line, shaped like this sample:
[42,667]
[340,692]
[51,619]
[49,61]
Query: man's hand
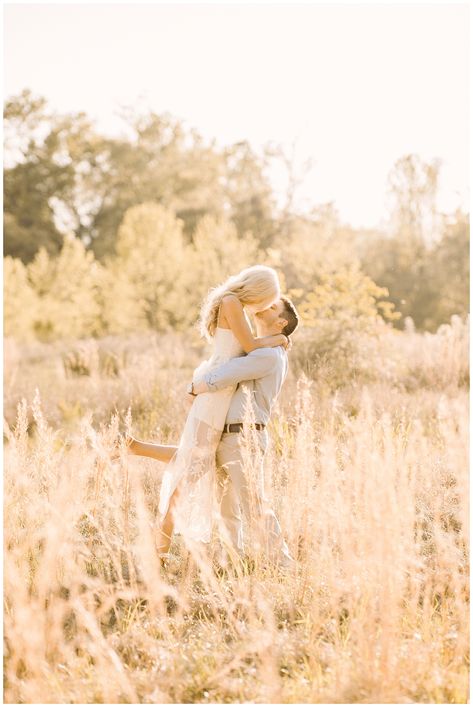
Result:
[190,398]
[200,387]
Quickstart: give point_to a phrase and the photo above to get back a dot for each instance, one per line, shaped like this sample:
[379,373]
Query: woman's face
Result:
[260,306]
[253,308]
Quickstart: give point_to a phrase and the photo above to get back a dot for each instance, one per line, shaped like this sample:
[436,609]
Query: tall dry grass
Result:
[369,482]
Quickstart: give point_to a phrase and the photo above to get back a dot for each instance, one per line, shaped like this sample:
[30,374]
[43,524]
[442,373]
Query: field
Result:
[369,479]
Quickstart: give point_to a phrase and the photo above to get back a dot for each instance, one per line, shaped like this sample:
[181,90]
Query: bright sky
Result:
[358,85]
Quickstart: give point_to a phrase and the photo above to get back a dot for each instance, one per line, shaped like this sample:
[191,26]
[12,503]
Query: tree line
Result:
[120,233]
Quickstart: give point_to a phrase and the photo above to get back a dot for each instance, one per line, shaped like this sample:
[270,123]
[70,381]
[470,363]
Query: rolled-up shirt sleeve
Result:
[256,364]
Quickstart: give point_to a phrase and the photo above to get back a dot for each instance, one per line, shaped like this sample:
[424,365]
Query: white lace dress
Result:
[193,464]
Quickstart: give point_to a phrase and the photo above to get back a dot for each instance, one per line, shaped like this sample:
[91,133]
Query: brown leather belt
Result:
[238,426]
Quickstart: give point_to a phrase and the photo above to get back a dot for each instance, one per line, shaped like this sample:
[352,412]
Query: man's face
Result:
[272,316]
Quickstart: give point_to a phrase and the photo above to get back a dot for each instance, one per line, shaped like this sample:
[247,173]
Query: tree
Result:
[217,253]
[66,286]
[309,246]
[152,251]
[348,297]
[33,180]
[447,272]
[295,175]
[398,265]
[412,187]
[19,301]
[61,176]
[341,316]
[401,260]
[250,202]
[453,263]
[162,163]
[121,310]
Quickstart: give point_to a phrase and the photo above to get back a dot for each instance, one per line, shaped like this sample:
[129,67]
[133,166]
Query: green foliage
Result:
[28,218]
[217,253]
[121,309]
[157,279]
[249,194]
[429,284]
[348,298]
[171,166]
[412,187]
[66,290]
[450,273]
[64,176]
[397,265]
[337,316]
[424,261]
[34,179]
[168,216]
[19,301]
[306,248]
[152,250]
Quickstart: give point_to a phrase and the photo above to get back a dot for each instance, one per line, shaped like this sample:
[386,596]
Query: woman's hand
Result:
[285,341]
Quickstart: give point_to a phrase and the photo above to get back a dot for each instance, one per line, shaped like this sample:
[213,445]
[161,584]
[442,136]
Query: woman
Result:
[187,488]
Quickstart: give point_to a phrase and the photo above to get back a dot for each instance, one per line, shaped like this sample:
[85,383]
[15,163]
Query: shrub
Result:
[20,303]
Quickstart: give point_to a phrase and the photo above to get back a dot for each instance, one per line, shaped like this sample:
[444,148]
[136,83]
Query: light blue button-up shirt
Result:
[262,372]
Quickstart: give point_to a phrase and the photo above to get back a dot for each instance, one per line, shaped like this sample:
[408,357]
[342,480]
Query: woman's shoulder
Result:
[229,305]
[231,301]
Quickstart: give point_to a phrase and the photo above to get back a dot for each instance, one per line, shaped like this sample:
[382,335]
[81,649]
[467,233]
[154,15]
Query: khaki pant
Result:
[235,497]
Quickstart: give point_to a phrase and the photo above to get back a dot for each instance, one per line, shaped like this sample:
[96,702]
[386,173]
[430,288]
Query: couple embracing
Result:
[208,465]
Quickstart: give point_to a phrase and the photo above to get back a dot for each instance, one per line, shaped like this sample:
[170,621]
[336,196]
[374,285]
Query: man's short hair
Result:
[289,313]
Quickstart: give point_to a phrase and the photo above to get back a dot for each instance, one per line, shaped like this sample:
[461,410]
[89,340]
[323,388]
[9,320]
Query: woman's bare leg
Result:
[161,452]
[167,526]
[199,459]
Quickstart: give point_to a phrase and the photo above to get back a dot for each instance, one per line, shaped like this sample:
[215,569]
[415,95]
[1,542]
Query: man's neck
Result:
[262,331]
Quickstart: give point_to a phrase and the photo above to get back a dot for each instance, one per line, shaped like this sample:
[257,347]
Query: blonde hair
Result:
[256,285]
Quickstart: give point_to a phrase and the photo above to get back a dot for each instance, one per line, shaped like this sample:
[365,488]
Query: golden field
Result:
[367,472]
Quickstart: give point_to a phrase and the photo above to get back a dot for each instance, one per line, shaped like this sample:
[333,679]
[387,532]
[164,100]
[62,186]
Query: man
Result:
[259,375]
